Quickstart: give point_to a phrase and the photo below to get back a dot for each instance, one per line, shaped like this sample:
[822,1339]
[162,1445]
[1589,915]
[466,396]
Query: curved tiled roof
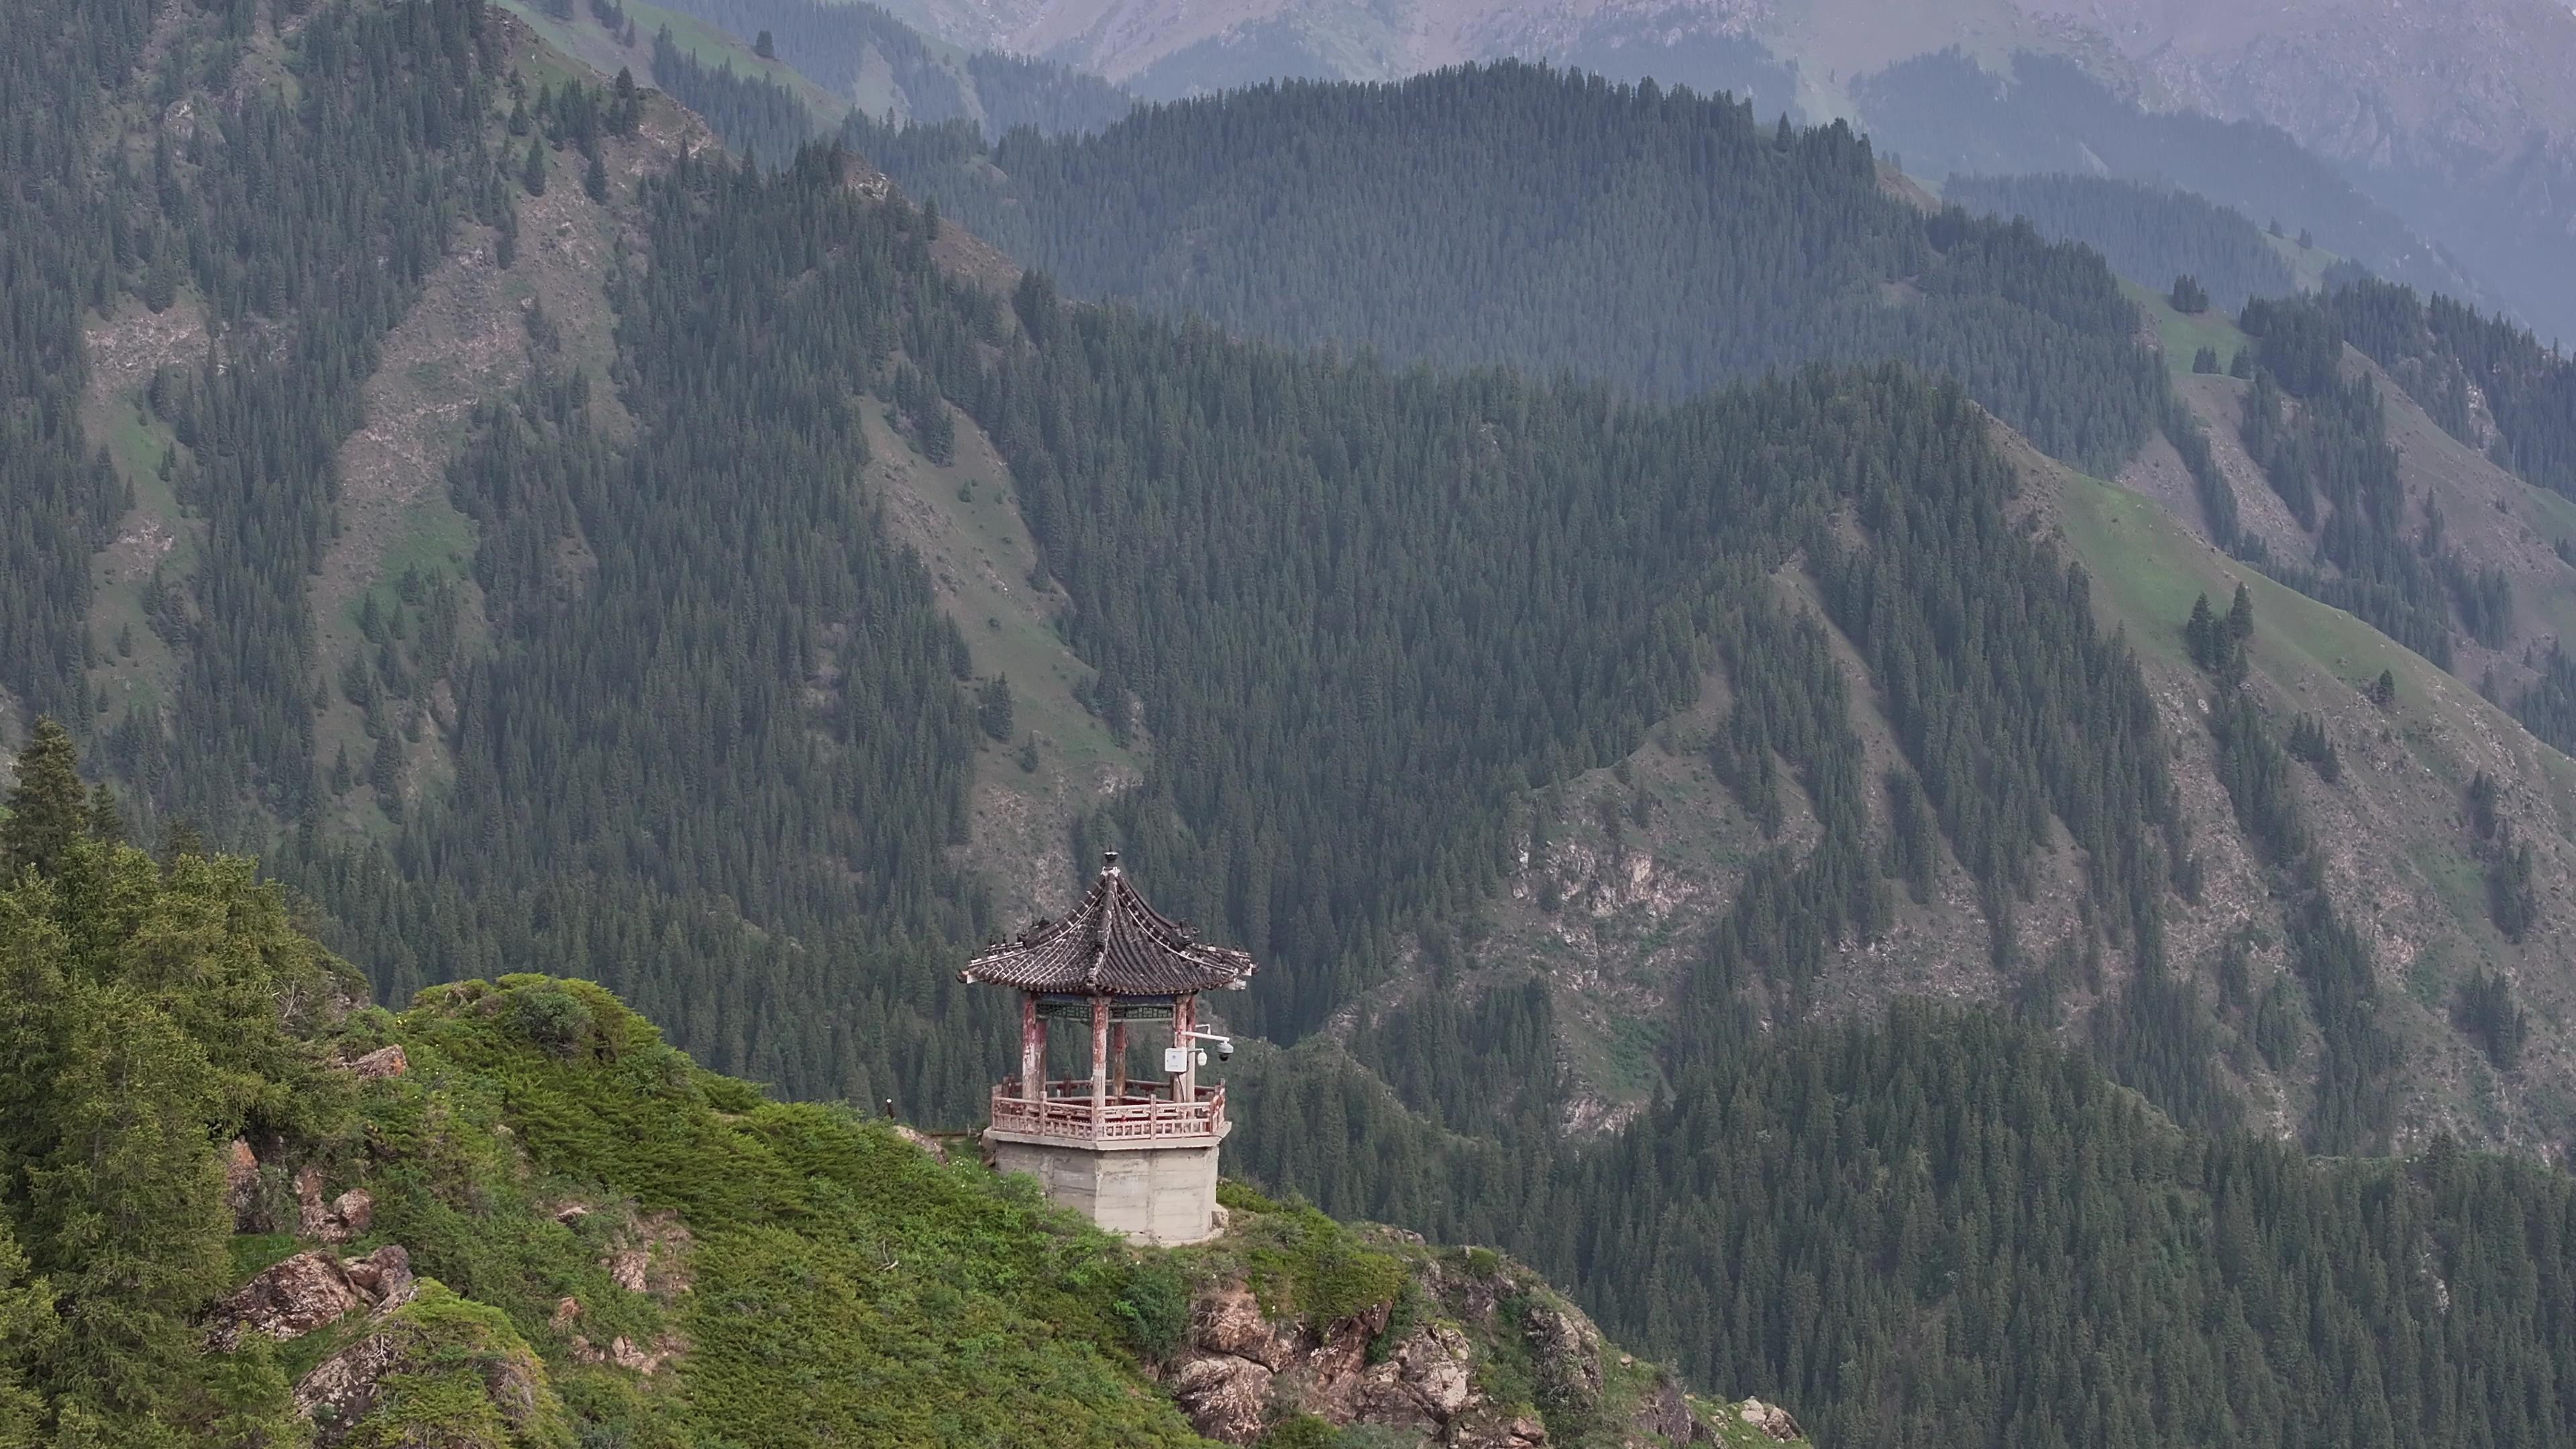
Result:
[1111,944]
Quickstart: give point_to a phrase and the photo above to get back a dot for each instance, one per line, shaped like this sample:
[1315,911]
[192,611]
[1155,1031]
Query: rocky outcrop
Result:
[1771,1419]
[650,1255]
[340,1389]
[447,1368]
[309,1291]
[243,1190]
[1421,1369]
[622,1351]
[379,1064]
[342,1219]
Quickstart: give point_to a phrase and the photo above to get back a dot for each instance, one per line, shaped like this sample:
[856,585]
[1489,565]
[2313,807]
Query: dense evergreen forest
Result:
[242,1208]
[1940,1230]
[2149,234]
[1654,239]
[712,742]
[2488,382]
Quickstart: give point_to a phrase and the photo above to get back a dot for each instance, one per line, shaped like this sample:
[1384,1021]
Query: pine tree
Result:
[106,817]
[2200,635]
[993,707]
[532,174]
[124,1206]
[48,808]
[594,180]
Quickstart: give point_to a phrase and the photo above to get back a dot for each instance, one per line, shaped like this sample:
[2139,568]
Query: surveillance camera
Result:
[1225,1051]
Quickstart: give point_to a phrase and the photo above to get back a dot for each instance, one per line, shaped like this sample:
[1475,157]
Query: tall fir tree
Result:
[49,808]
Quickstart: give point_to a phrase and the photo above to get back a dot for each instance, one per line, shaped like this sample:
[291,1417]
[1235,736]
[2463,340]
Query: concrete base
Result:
[1165,1195]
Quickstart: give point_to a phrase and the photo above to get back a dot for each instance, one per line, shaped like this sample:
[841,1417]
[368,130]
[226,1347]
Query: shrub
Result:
[551,1017]
[1155,1307]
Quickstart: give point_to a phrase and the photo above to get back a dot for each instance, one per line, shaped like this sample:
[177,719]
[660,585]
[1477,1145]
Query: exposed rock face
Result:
[242,1189]
[626,1354]
[1771,1419]
[651,1256]
[1227,1398]
[341,1389]
[922,1140]
[381,1063]
[1512,1431]
[342,1219]
[1243,1370]
[309,1291]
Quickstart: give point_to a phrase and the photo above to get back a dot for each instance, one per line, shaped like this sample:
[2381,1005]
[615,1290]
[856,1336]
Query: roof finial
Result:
[1109,862]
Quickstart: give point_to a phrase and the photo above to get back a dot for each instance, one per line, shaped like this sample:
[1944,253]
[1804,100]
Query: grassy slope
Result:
[2181,336]
[156,532]
[963,522]
[586,41]
[2396,849]
[824,1281]
[797,1275]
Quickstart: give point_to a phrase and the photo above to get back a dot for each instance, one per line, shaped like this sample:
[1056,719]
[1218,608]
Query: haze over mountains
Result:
[1938,829]
[2453,117]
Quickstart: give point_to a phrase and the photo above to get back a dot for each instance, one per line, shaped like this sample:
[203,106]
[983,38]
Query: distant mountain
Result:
[2047,114]
[2146,233]
[1656,240]
[559,550]
[2454,116]
[885,67]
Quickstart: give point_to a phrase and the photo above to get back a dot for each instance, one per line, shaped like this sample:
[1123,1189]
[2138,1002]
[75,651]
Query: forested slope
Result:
[626,671]
[512,1217]
[2149,234]
[1656,240]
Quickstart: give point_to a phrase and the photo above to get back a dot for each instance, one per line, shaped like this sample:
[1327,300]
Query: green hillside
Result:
[511,1215]
[562,552]
[1655,240]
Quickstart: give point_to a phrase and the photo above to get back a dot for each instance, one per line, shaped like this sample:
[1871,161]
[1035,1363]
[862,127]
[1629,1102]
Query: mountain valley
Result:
[1901,813]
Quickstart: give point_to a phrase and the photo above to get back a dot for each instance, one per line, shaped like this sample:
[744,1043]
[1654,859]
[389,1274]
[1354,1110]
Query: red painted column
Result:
[1117,1059]
[1032,1049]
[1185,1019]
[1099,1058]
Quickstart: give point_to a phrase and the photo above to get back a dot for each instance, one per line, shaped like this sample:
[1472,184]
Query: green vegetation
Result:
[2143,231]
[1984,1292]
[2182,337]
[2444,350]
[614,1245]
[713,728]
[1654,239]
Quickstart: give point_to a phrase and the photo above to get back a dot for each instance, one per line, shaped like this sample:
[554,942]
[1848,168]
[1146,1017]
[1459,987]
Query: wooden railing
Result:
[1066,1111]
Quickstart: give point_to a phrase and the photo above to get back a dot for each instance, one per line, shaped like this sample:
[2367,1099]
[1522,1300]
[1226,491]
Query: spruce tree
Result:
[48,808]
[2200,636]
[532,175]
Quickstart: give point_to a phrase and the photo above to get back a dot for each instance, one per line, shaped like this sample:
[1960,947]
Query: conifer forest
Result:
[1949,811]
